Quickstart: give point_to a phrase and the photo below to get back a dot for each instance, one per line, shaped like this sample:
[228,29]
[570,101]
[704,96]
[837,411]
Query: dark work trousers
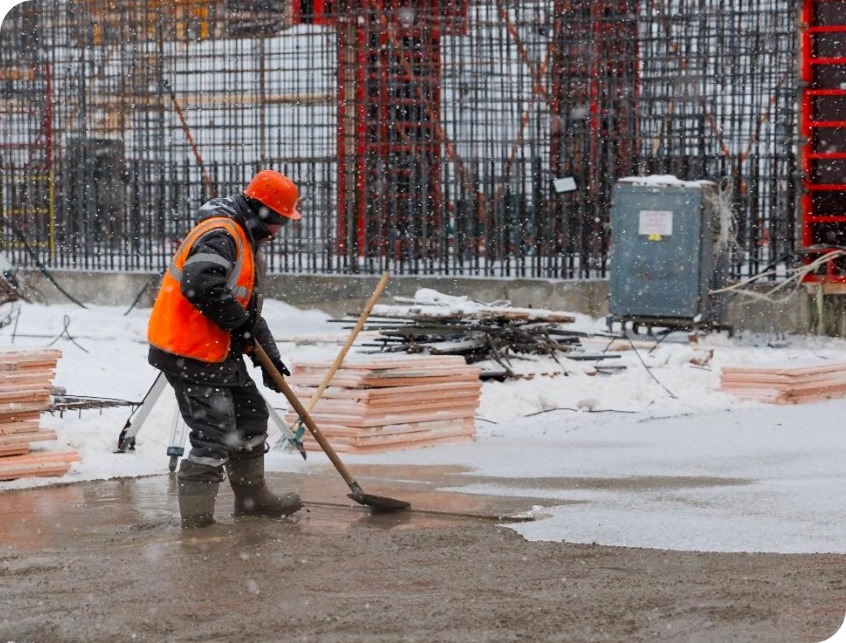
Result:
[224,420]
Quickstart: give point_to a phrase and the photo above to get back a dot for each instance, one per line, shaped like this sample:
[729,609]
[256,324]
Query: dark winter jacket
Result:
[204,285]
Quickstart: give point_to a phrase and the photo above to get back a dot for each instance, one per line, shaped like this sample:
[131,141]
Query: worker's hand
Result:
[268,380]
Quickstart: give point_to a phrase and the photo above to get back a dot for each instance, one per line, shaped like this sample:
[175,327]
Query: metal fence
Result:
[426,135]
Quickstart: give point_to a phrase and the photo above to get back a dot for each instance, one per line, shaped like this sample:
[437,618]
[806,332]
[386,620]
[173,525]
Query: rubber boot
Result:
[198,485]
[252,497]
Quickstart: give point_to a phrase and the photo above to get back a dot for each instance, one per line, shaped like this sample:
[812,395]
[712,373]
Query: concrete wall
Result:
[339,294]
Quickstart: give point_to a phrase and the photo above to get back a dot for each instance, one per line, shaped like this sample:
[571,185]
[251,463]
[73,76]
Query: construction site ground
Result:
[107,561]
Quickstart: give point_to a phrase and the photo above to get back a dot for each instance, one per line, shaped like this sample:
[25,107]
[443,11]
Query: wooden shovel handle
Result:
[276,376]
[380,287]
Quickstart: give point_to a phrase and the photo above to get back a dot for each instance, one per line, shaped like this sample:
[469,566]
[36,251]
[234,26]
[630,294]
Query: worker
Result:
[206,317]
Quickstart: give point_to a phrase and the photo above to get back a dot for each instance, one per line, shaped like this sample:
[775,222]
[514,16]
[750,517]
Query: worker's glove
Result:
[268,380]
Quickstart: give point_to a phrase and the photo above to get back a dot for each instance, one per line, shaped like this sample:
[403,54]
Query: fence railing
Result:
[426,135]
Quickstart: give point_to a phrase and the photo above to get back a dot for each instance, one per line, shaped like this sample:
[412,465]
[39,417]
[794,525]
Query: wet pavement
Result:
[40,517]
[107,561]
[45,517]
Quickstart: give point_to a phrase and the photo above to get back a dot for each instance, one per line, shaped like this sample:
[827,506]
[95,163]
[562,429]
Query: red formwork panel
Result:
[594,98]
[822,148]
[389,130]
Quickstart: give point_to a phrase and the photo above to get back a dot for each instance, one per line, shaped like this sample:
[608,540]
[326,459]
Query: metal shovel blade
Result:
[379,504]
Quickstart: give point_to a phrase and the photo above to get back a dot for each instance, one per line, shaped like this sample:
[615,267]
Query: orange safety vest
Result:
[175,325]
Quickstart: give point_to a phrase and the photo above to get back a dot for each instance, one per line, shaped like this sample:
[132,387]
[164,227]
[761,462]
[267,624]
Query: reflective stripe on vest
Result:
[179,328]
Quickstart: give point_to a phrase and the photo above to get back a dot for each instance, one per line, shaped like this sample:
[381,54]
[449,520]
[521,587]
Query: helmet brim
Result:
[275,218]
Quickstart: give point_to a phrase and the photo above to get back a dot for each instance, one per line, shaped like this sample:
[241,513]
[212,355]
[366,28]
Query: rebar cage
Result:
[465,137]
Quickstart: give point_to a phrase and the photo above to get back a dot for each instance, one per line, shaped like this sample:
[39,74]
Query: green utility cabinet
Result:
[665,260]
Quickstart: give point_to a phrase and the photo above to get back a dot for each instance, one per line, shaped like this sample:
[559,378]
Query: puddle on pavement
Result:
[46,517]
[457,476]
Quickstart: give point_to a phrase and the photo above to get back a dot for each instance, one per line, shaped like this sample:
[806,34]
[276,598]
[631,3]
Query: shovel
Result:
[376,503]
[298,429]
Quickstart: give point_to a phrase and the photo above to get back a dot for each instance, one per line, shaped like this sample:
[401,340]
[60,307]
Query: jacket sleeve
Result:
[204,275]
[265,338]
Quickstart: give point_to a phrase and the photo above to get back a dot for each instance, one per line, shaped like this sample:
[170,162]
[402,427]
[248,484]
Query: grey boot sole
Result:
[198,521]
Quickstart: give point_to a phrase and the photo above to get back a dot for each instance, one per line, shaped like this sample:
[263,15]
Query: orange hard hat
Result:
[276,192]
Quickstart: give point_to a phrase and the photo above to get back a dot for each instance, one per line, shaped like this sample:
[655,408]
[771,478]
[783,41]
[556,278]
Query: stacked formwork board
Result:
[786,382]
[386,403]
[25,384]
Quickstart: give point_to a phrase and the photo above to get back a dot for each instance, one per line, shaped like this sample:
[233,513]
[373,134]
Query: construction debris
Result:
[391,402]
[63,402]
[786,382]
[437,324]
[25,387]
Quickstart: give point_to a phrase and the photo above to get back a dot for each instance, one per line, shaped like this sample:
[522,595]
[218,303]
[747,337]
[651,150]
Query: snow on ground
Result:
[648,457]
